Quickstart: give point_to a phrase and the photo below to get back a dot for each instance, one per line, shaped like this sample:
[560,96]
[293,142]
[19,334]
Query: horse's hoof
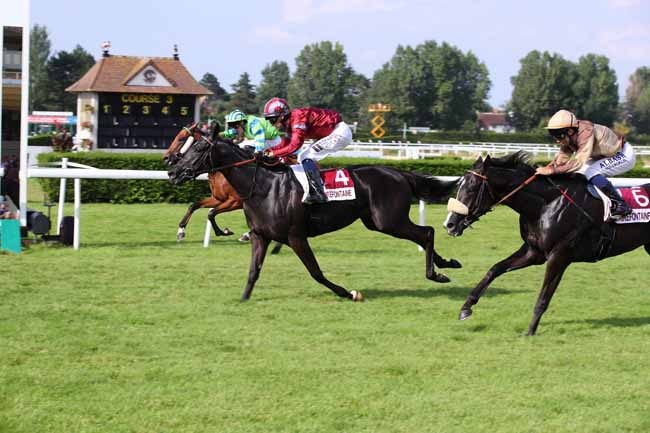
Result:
[356,296]
[244,238]
[180,236]
[453,263]
[243,299]
[464,314]
[440,278]
[226,232]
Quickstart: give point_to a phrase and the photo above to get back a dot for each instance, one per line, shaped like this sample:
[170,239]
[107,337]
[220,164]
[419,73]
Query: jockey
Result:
[251,130]
[324,126]
[598,152]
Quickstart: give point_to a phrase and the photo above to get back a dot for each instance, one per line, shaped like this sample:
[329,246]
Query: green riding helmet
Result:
[235,116]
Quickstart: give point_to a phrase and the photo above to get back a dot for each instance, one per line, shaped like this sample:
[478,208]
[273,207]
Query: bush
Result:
[40,140]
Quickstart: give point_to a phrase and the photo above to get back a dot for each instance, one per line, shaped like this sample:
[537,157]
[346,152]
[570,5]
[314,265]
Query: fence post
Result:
[77,209]
[206,237]
[62,186]
[421,219]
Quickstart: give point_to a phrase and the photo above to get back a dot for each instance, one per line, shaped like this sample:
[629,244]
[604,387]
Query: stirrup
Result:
[620,211]
[313,198]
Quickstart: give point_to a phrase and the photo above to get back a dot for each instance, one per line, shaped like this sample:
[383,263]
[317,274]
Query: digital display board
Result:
[142,120]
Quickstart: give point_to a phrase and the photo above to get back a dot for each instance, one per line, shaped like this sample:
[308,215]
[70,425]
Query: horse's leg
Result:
[225,206]
[276,248]
[213,222]
[301,247]
[421,235]
[557,264]
[259,246]
[523,257]
[206,202]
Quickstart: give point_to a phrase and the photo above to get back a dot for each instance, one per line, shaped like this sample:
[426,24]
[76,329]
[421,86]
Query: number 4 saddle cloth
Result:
[338,183]
[636,197]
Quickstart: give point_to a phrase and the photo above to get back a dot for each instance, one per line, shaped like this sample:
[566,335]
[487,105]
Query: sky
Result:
[230,37]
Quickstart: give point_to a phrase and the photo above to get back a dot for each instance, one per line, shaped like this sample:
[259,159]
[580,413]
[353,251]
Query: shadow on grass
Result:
[612,322]
[451,292]
[161,244]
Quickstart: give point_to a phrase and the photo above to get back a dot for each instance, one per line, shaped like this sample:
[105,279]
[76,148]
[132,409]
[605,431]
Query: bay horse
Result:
[559,222]
[274,209]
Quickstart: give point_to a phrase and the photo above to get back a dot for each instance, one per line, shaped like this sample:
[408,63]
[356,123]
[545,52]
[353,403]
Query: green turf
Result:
[136,333]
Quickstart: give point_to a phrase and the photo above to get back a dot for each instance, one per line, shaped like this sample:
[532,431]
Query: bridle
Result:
[471,218]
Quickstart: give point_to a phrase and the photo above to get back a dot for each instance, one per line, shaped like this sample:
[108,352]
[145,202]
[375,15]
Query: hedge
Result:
[122,191]
[155,191]
[40,140]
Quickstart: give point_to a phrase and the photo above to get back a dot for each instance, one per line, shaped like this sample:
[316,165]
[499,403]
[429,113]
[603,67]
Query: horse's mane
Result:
[520,160]
[247,153]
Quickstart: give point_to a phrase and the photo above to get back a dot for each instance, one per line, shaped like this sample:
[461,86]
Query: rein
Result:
[526,182]
[510,194]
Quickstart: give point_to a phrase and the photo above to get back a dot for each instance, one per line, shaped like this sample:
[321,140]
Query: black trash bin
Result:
[66,230]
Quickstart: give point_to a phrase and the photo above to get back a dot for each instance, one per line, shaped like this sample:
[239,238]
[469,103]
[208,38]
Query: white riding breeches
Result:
[340,138]
[621,162]
[267,143]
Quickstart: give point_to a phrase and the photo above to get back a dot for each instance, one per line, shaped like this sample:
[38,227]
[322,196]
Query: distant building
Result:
[126,102]
[495,121]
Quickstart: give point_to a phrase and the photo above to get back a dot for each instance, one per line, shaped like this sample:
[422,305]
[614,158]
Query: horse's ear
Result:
[215,130]
[478,163]
[487,159]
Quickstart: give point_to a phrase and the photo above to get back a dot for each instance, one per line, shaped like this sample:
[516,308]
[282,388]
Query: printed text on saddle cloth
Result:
[338,184]
[638,199]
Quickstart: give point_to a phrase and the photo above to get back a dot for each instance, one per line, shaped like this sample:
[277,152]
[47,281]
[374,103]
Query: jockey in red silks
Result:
[324,126]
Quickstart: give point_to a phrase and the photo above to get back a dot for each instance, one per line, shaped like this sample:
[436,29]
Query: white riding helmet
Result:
[562,119]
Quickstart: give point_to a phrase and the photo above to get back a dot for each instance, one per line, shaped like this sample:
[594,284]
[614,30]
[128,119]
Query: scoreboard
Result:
[142,120]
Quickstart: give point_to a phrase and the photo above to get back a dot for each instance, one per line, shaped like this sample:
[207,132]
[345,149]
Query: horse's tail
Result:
[430,188]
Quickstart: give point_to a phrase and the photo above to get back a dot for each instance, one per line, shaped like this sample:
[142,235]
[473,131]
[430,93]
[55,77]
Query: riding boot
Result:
[316,188]
[620,209]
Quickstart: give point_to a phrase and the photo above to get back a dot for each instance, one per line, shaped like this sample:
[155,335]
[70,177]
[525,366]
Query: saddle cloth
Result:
[635,196]
[339,185]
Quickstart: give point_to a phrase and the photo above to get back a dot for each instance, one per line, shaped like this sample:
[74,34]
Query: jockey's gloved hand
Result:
[259,155]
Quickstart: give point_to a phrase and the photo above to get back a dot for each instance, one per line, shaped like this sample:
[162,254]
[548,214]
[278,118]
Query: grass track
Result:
[136,333]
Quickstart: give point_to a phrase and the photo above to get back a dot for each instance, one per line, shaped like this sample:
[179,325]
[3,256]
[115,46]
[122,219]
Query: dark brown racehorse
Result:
[224,198]
[560,223]
[274,209]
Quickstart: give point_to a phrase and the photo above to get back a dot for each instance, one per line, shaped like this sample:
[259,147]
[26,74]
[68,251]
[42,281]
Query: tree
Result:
[211,82]
[39,52]
[324,79]
[543,85]
[637,100]
[595,90]
[243,95]
[431,85]
[64,69]
[275,81]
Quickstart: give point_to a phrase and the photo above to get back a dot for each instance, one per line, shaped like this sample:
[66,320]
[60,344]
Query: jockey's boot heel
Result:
[620,209]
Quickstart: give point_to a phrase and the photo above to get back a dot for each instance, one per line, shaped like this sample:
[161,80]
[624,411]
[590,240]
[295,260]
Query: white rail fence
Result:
[408,150]
[84,172]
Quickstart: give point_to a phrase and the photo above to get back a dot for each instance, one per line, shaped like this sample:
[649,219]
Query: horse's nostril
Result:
[450,225]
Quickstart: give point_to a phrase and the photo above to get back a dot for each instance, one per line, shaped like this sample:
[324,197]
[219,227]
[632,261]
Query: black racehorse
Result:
[274,211]
[560,223]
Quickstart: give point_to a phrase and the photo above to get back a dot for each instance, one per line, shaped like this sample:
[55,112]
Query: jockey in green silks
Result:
[250,131]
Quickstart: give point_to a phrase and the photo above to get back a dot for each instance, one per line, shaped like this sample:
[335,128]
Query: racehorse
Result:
[223,197]
[274,209]
[559,222]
